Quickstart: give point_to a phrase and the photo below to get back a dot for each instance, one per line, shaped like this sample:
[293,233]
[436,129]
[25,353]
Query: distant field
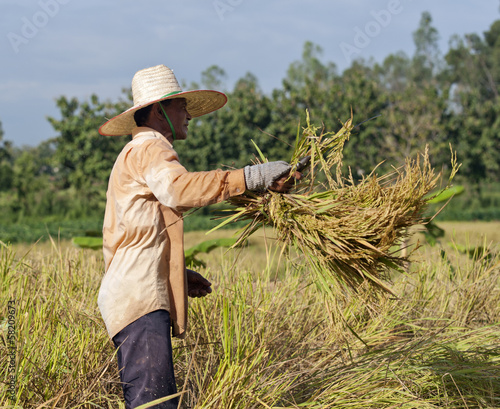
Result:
[267,337]
[473,232]
[255,256]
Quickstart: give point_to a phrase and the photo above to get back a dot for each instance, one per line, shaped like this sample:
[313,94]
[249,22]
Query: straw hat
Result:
[156,84]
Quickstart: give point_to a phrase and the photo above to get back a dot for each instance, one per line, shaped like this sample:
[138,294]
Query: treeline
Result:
[401,105]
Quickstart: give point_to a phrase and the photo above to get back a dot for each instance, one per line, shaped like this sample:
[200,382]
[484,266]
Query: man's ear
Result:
[157,111]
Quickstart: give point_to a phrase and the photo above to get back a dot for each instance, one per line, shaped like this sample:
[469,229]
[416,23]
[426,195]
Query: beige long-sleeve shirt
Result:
[143,230]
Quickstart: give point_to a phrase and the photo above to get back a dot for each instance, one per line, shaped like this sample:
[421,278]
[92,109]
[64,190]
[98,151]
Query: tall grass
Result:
[267,337]
[64,358]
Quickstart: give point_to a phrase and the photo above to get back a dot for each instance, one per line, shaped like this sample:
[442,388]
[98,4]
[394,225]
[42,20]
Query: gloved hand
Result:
[261,177]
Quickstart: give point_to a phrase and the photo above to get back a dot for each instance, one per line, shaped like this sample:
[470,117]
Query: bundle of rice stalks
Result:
[346,229]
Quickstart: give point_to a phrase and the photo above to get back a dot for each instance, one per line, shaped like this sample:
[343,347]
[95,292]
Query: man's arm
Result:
[177,188]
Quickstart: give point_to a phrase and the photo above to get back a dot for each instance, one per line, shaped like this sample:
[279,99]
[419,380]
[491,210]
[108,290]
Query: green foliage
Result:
[474,252]
[399,106]
[427,59]
[205,247]
[475,203]
[95,243]
[474,73]
[446,194]
[83,157]
[87,242]
[32,230]
[224,137]
[433,233]
[6,170]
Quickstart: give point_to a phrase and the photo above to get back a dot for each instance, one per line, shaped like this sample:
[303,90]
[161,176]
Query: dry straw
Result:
[350,232]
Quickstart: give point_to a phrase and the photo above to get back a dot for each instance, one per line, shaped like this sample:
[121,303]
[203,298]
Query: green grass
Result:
[30,230]
[267,337]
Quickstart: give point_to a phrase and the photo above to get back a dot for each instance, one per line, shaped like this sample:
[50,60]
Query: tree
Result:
[415,111]
[6,171]
[309,85]
[213,78]
[474,73]
[394,73]
[5,147]
[33,192]
[224,136]
[83,157]
[362,93]
[427,59]
[414,118]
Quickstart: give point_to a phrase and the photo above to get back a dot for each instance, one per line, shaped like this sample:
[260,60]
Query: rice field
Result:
[267,337]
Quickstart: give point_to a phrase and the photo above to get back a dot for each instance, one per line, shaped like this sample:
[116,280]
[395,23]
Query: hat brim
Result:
[199,102]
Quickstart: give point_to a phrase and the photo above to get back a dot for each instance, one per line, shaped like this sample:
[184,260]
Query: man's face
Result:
[179,116]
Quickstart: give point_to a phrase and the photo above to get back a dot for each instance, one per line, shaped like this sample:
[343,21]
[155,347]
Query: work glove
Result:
[261,177]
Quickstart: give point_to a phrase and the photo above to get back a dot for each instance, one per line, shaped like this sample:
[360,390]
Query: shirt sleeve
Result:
[179,189]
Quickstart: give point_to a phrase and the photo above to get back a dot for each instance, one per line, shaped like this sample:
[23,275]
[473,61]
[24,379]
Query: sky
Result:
[77,48]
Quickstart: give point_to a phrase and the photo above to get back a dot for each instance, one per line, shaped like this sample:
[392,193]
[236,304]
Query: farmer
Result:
[143,294]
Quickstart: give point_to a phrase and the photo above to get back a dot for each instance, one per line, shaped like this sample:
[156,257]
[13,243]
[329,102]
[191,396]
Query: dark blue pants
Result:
[145,361]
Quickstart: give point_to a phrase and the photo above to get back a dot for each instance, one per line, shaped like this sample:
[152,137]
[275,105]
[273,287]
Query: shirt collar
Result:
[141,131]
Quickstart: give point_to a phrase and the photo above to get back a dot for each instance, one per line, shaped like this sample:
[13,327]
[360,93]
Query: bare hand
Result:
[285,183]
[198,286]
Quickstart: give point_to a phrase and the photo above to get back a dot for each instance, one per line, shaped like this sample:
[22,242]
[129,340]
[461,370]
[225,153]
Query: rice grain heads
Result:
[346,229]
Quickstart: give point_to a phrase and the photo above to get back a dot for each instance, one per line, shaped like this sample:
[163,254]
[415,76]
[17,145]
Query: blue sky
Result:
[75,48]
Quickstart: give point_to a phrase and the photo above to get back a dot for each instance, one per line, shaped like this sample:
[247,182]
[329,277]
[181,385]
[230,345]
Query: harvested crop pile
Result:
[349,231]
